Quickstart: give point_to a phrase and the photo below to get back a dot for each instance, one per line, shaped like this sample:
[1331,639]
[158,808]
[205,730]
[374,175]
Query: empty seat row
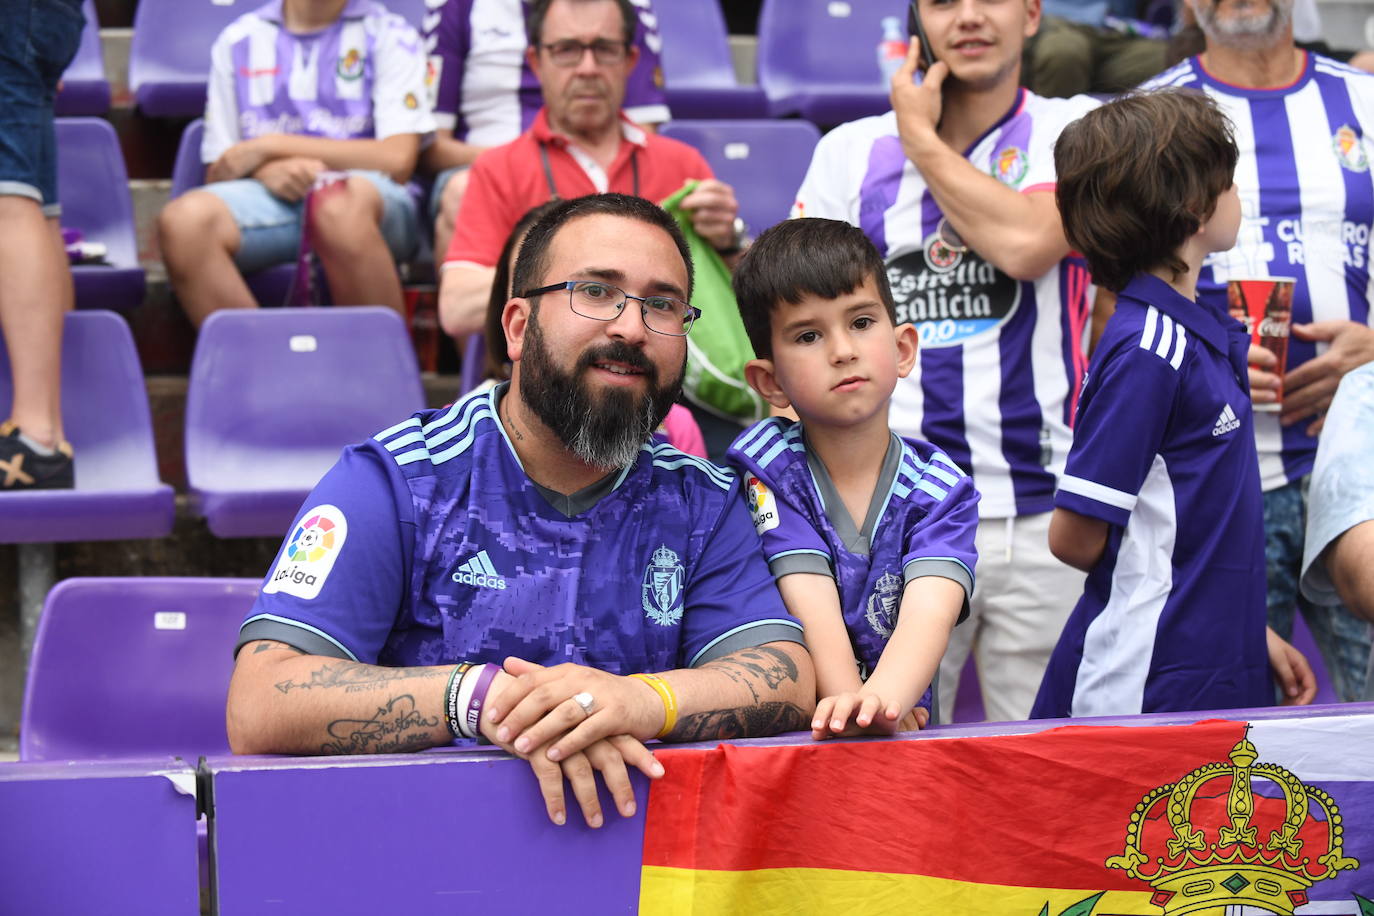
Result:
[816,58]
[273,397]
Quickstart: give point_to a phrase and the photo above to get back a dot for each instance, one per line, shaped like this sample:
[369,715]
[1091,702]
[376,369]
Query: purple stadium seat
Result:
[275,394]
[130,667]
[698,74]
[764,161]
[84,90]
[474,362]
[818,58]
[93,187]
[169,59]
[105,412]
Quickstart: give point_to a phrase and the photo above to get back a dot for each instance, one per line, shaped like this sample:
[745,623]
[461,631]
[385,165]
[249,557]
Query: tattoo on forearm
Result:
[745,722]
[396,728]
[354,677]
[763,663]
[268,645]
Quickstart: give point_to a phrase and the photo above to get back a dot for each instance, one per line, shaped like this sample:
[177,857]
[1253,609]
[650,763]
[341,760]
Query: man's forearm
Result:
[445,152]
[754,692]
[464,291]
[284,702]
[394,156]
[1019,235]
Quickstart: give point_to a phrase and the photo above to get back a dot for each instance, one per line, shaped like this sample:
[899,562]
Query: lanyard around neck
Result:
[553,186]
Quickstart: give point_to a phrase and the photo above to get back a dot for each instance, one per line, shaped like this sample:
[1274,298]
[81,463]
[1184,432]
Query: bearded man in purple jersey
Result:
[527,565]
[1307,206]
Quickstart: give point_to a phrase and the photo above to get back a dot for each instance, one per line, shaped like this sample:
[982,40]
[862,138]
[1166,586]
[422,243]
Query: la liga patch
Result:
[309,554]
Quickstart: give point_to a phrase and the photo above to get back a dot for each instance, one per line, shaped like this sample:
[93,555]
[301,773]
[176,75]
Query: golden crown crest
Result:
[1206,864]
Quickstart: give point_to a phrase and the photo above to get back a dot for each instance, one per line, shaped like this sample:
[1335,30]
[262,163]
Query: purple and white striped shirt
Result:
[363,76]
[483,90]
[1310,223]
[1000,360]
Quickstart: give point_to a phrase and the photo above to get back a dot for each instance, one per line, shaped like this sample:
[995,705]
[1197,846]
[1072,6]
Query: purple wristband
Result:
[479,697]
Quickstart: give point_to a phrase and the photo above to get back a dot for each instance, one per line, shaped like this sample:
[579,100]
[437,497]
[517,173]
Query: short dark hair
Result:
[1138,176]
[534,22]
[534,251]
[498,358]
[801,257]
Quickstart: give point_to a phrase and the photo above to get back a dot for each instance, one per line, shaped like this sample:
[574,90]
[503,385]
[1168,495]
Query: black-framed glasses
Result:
[604,302]
[569,51]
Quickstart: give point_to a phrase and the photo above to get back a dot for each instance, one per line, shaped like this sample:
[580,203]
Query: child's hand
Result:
[915,720]
[847,714]
[1291,671]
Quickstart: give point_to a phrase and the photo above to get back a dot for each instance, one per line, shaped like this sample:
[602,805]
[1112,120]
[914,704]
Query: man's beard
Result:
[605,431]
[1249,31]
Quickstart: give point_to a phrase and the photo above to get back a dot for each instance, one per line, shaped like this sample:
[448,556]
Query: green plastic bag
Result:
[717,347]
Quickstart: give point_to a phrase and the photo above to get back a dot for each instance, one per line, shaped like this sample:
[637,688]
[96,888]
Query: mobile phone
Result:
[918,32]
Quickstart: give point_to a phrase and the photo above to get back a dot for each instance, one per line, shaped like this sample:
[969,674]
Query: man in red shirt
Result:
[580,143]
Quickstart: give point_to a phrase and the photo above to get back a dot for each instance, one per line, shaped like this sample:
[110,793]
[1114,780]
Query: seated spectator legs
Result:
[356,234]
[36,294]
[449,188]
[200,241]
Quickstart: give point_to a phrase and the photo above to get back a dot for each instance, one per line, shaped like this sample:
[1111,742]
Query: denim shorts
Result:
[38,40]
[270,228]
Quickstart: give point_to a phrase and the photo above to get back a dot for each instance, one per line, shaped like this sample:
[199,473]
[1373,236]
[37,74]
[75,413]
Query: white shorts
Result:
[1021,599]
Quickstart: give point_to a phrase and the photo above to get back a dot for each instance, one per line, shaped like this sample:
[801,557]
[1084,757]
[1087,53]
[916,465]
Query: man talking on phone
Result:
[955,186]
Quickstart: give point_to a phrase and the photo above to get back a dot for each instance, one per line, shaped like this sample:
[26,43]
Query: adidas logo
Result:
[1226,422]
[479,573]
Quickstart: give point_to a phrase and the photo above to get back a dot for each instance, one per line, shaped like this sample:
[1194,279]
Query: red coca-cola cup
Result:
[1265,306]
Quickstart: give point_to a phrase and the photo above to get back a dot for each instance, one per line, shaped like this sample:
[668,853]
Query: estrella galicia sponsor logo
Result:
[478,572]
[309,554]
[661,589]
[950,296]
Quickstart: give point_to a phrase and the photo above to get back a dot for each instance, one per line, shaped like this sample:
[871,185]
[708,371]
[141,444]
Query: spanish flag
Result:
[1022,824]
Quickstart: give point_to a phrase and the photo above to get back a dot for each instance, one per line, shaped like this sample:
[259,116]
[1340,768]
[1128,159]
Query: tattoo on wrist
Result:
[354,677]
[397,727]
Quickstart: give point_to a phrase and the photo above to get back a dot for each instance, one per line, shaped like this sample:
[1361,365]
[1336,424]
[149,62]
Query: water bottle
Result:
[892,48]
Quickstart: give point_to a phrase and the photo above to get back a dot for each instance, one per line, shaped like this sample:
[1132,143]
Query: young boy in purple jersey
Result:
[1160,499]
[870,536]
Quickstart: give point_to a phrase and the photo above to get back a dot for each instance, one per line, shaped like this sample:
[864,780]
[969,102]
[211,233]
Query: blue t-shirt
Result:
[921,522]
[428,545]
[1172,616]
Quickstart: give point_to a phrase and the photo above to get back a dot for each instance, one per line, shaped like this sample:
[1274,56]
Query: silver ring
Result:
[585,700]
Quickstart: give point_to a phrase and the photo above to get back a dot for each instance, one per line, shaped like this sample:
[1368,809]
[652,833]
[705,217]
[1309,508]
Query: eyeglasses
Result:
[568,53]
[603,302]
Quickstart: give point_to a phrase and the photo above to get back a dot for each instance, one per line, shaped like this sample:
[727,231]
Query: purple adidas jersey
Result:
[1000,360]
[1172,617]
[482,89]
[361,77]
[429,545]
[921,522]
[1307,203]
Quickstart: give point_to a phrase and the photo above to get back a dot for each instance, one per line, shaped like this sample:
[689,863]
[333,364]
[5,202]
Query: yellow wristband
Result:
[665,693]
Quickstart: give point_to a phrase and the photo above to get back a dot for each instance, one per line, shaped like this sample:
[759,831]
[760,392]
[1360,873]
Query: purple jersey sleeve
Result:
[1122,418]
[942,542]
[731,594]
[645,101]
[339,579]
[447,38]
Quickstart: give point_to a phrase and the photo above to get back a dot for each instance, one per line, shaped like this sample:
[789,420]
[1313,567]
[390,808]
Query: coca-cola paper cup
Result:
[1265,306]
